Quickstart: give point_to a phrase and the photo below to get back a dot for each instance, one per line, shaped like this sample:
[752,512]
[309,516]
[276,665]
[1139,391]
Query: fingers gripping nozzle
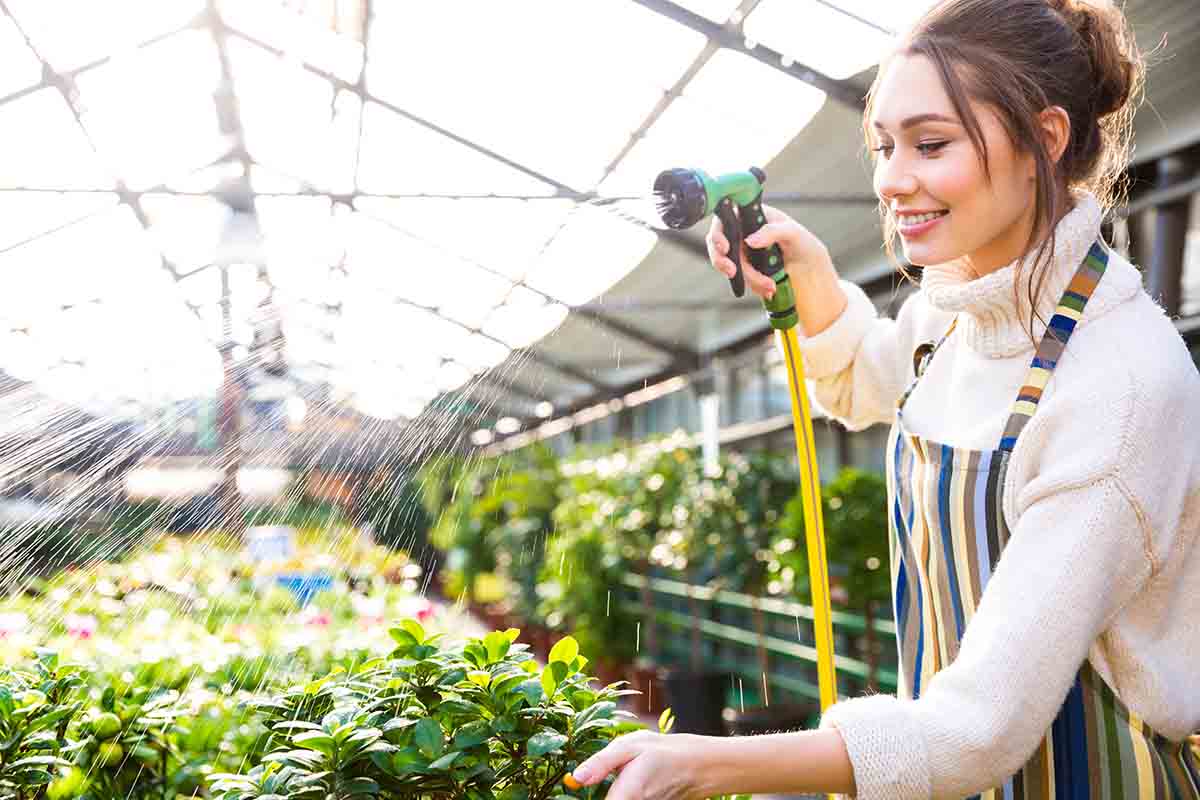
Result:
[686,196]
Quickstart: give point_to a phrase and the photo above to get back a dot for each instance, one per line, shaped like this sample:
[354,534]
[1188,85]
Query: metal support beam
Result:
[508,385]
[844,92]
[1165,277]
[558,366]
[678,353]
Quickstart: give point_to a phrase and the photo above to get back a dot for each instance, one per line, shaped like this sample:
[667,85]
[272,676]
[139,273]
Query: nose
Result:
[894,177]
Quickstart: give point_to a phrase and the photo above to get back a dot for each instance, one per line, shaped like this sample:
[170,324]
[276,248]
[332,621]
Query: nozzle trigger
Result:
[732,227]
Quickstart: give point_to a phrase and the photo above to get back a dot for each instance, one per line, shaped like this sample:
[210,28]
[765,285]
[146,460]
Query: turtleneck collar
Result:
[991,319]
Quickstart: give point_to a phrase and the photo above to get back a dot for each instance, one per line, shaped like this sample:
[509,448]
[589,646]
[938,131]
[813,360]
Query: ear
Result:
[1055,125]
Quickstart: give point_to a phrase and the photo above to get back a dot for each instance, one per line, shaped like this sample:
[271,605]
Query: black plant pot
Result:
[696,699]
[778,718]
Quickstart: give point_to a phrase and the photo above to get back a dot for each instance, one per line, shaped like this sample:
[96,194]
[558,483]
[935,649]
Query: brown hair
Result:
[1021,57]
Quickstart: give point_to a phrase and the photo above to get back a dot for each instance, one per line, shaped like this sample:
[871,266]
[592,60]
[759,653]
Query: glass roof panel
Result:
[300,239]
[327,37]
[896,16]
[573,270]
[69,34]
[524,318]
[702,129]
[151,112]
[187,230]
[30,214]
[536,83]
[399,266]
[715,10]
[502,235]
[42,147]
[207,179]
[817,36]
[123,316]
[19,66]
[291,120]
[478,352]
[400,156]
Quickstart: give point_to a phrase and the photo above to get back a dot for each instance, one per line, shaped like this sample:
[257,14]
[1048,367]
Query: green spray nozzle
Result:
[686,196]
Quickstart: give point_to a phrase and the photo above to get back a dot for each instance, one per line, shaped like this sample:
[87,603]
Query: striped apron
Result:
[947,531]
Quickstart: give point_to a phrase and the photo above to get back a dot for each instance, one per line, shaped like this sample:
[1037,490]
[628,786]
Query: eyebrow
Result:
[918,119]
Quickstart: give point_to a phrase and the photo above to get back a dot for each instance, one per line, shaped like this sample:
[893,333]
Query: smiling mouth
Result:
[909,220]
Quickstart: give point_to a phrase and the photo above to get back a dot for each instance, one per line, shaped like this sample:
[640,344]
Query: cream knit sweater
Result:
[1102,496]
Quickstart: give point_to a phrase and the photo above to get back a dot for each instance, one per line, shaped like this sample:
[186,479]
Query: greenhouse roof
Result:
[405,187]
[399,197]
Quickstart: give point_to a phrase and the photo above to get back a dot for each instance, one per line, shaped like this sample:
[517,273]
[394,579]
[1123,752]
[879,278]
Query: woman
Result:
[1044,462]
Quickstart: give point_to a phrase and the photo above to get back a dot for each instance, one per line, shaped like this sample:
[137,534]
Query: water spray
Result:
[687,196]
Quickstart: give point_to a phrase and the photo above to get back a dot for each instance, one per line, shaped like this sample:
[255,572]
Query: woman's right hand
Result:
[819,297]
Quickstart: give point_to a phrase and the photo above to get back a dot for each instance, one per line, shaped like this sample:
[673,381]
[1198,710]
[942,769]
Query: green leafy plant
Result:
[37,703]
[474,721]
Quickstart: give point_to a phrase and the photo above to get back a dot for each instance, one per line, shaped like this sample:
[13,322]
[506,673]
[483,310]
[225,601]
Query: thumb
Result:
[598,767]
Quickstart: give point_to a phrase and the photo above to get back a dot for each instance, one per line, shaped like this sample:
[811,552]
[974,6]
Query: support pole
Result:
[1165,279]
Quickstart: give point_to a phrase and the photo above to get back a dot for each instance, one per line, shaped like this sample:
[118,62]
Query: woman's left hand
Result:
[651,765]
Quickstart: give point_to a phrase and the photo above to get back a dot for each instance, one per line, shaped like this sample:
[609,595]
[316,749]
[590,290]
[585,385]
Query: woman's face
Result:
[932,180]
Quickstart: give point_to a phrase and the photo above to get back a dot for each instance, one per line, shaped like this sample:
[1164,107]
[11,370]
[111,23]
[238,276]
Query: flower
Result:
[81,626]
[12,623]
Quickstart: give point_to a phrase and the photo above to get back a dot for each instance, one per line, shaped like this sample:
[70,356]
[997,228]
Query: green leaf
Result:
[452,677]
[471,734]
[479,678]
[544,742]
[316,740]
[6,701]
[296,724]
[404,640]
[564,650]
[549,684]
[601,710]
[361,786]
[429,738]
[533,690]
[456,707]
[504,684]
[497,644]
[414,628]
[108,699]
[445,761]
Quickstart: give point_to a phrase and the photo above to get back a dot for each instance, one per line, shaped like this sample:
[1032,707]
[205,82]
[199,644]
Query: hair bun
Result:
[1111,48]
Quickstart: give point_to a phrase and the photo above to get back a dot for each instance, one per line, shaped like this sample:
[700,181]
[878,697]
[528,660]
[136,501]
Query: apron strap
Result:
[1054,340]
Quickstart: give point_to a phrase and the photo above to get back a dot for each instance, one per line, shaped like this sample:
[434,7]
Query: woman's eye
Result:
[929,148]
[885,149]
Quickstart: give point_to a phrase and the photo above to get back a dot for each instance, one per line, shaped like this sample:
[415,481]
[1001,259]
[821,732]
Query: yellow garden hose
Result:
[814,530]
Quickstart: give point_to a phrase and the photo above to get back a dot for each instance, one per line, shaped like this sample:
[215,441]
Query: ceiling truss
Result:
[678,357]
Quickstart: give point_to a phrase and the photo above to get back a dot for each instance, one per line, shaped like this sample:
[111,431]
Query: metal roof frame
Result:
[210,20]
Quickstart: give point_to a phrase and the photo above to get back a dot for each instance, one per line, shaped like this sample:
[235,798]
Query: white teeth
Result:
[917,219]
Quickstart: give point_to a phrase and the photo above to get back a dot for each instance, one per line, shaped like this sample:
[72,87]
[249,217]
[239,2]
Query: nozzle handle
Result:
[732,227]
[781,308]
[767,260]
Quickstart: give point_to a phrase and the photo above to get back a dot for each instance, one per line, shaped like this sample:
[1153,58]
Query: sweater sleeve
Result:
[862,362]
[1074,559]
